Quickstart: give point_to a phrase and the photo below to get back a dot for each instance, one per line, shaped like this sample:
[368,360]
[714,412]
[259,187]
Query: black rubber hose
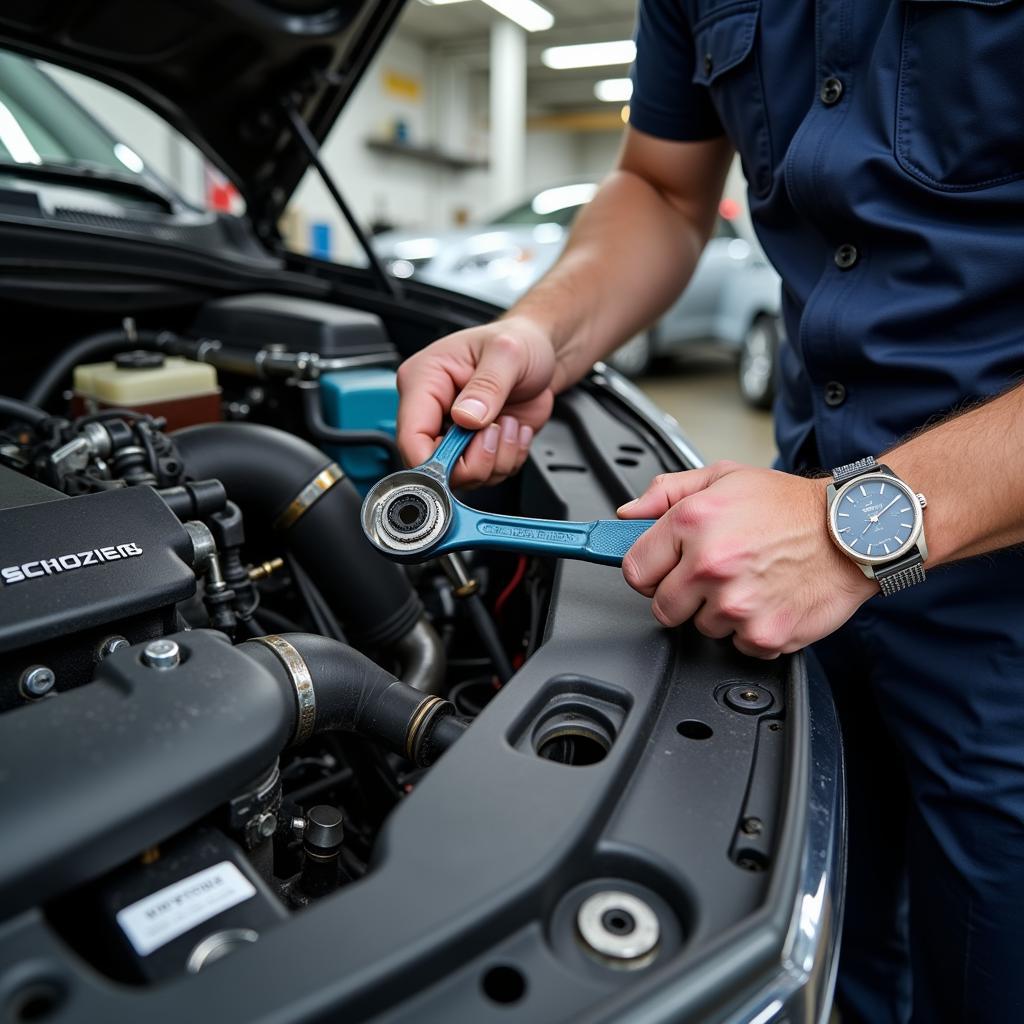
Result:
[263,470]
[354,694]
[15,409]
[489,637]
[89,347]
[322,431]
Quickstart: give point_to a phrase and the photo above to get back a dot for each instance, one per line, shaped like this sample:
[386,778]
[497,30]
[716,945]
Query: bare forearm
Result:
[631,252]
[971,469]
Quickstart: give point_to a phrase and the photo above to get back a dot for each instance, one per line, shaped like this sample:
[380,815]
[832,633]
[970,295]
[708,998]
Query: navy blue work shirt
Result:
[883,144]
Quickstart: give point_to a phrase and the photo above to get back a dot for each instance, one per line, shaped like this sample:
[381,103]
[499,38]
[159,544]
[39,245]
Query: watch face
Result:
[875,518]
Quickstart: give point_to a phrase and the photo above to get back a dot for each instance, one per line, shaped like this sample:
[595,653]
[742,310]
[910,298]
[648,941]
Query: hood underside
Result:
[220,71]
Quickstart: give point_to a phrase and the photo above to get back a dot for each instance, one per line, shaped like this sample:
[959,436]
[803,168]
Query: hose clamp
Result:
[424,713]
[309,495]
[302,682]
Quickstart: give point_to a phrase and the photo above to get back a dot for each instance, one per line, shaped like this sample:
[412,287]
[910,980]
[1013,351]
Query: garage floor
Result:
[702,394]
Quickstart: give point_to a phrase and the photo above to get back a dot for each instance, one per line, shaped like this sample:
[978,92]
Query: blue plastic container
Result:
[363,398]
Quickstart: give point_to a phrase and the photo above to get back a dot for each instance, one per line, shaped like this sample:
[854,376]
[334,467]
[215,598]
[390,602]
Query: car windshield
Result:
[552,206]
[41,125]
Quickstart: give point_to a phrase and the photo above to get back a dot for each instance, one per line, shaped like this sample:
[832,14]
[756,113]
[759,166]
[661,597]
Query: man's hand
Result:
[498,379]
[743,552]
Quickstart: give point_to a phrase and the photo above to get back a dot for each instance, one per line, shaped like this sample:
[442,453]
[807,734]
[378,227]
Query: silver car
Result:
[733,298]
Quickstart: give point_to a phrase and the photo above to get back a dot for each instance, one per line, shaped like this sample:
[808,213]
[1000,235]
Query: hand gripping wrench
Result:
[412,516]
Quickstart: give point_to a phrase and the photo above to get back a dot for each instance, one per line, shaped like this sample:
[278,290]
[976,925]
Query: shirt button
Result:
[846,256]
[831,91]
[835,393]
[709,63]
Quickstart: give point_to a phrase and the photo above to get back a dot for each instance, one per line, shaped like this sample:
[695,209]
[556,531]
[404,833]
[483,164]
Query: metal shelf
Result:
[426,154]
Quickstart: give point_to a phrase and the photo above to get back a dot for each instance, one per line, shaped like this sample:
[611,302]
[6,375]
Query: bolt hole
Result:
[775,726]
[618,922]
[504,985]
[693,729]
[36,1001]
[752,860]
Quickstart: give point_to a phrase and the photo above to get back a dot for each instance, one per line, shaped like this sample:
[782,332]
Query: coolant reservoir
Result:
[181,390]
[361,398]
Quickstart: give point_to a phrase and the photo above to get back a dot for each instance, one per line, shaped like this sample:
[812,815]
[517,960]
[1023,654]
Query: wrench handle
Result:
[447,453]
[603,540]
[610,539]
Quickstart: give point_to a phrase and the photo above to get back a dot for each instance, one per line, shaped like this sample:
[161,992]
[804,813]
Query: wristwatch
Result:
[877,521]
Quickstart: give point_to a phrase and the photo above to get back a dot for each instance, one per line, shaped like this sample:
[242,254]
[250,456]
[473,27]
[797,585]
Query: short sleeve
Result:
[666,103]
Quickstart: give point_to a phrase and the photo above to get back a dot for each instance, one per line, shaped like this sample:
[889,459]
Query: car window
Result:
[54,117]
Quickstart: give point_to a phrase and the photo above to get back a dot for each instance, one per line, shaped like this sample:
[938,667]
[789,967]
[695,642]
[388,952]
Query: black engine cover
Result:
[74,571]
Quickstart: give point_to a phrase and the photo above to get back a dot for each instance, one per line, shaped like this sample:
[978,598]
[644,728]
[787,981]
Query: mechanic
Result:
[881,143]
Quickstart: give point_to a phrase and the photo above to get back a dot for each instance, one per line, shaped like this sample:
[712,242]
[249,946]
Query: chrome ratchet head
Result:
[409,512]
[406,514]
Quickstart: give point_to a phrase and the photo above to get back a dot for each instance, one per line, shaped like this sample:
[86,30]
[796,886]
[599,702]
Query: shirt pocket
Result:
[960,103]
[727,64]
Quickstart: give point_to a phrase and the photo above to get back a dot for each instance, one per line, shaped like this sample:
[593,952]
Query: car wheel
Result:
[757,362]
[633,358]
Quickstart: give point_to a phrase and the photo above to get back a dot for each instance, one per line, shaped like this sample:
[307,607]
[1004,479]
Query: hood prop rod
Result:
[305,139]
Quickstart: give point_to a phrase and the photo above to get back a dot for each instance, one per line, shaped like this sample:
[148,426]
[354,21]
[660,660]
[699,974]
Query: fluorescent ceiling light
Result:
[553,199]
[525,13]
[589,55]
[614,90]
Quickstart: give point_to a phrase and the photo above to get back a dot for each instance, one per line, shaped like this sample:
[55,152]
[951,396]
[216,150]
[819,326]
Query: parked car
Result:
[219,801]
[733,298]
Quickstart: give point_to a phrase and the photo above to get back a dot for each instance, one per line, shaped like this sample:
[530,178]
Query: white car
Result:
[733,298]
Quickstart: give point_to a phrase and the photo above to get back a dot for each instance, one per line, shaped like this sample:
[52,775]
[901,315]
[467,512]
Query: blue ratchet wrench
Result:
[412,516]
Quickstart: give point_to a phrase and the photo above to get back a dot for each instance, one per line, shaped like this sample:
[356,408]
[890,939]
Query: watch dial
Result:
[875,518]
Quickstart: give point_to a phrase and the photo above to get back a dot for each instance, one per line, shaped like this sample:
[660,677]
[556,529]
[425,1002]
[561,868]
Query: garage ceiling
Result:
[460,31]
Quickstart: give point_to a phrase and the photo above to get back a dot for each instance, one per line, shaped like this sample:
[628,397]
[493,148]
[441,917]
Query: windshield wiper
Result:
[82,173]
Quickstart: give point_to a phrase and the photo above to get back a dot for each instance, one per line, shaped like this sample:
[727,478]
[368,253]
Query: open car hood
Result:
[220,71]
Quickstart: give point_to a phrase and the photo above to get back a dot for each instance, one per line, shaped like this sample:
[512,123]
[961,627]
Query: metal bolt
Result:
[266,825]
[161,654]
[36,681]
[748,699]
[298,827]
[325,830]
[752,826]
[112,644]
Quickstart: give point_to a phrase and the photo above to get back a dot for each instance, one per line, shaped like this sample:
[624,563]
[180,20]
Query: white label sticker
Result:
[155,920]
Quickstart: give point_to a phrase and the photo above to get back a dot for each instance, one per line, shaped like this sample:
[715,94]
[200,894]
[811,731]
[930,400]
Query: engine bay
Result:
[250,764]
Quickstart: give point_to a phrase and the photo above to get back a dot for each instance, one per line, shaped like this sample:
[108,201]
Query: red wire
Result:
[517,578]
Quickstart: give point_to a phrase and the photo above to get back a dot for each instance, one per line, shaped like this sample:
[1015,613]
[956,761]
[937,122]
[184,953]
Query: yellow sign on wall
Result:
[402,86]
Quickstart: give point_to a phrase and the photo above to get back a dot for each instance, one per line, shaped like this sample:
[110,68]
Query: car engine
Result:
[235,738]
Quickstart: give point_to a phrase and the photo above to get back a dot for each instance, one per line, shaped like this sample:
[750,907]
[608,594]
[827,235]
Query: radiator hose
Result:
[337,688]
[284,481]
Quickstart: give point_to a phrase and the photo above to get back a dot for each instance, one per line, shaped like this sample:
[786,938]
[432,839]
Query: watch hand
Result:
[889,506]
[868,527]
